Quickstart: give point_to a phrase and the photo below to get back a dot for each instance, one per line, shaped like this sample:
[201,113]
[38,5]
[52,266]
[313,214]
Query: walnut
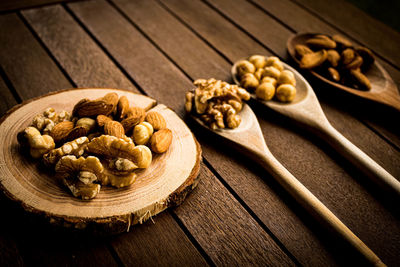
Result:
[46,121]
[214,100]
[79,175]
[116,152]
[75,147]
[37,143]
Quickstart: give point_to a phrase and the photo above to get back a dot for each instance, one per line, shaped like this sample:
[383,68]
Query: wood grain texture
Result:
[8,100]
[215,247]
[141,247]
[39,248]
[361,26]
[147,65]
[301,20]
[27,65]
[7,5]
[78,54]
[140,14]
[191,14]
[113,210]
[228,235]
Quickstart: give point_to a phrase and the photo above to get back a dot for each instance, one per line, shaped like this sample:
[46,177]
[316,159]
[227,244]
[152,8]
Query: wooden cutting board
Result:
[164,184]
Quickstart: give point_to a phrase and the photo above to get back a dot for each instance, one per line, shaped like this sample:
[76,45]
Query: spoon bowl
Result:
[306,109]
[383,89]
[249,139]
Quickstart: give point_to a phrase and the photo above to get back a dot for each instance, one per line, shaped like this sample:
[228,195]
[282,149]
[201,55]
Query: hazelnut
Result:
[244,67]
[285,93]
[258,61]
[249,81]
[265,91]
[287,77]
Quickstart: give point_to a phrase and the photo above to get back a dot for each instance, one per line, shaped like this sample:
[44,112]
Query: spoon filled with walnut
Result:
[344,66]
[296,99]
[206,106]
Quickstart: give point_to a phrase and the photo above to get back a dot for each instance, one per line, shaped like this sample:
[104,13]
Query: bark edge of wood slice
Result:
[166,183]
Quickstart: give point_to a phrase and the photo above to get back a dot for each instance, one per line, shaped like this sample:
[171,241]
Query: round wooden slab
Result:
[165,183]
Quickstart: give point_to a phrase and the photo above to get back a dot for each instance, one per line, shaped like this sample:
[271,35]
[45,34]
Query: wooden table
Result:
[238,214]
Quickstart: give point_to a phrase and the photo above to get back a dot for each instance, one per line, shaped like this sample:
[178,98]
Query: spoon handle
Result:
[360,159]
[314,206]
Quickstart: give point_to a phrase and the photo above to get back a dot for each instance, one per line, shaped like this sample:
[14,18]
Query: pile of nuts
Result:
[267,78]
[216,103]
[104,142]
[336,59]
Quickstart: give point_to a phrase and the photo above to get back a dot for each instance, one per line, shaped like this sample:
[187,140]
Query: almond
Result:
[321,43]
[161,140]
[360,79]
[136,112]
[312,60]
[355,64]
[131,121]
[61,130]
[122,107]
[114,128]
[78,131]
[156,120]
[102,119]
[347,56]
[301,50]
[89,108]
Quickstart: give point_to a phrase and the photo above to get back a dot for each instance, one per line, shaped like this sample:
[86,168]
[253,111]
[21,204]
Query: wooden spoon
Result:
[248,138]
[306,109]
[383,90]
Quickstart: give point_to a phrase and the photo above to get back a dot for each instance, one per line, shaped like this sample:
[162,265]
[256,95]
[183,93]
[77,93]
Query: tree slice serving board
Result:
[165,183]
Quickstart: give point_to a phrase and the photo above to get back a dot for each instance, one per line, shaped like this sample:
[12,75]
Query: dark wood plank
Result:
[237,13]
[27,65]
[329,181]
[6,5]
[301,20]
[368,30]
[141,247]
[231,243]
[8,100]
[163,32]
[77,53]
[223,228]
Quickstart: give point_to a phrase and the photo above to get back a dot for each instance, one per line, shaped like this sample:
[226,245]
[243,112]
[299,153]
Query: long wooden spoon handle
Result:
[314,206]
[361,160]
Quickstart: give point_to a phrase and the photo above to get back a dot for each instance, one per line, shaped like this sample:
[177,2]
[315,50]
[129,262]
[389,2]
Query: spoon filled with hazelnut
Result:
[296,99]
[219,107]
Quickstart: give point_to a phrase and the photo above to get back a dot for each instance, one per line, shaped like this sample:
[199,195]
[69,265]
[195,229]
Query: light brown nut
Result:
[333,57]
[321,43]
[271,71]
[265,91]
[233,121]
[142,133]
[313,60]
[156,120]
[189,97]
[287,77]
[90,108]
[342,41]
[259,73]
[114,128]
[333,74]
[285,93]
[75,147]
[142,156]
[102,119]
[161,140]
[355,64]
[360,79]
[347,56]
[243,67]
[366,54]
[249,81]
[268,79]
[61,130]
[88,123]
[258,61]
[122,107]
[274,62]
[301,50]
[39,144]
[75,133]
